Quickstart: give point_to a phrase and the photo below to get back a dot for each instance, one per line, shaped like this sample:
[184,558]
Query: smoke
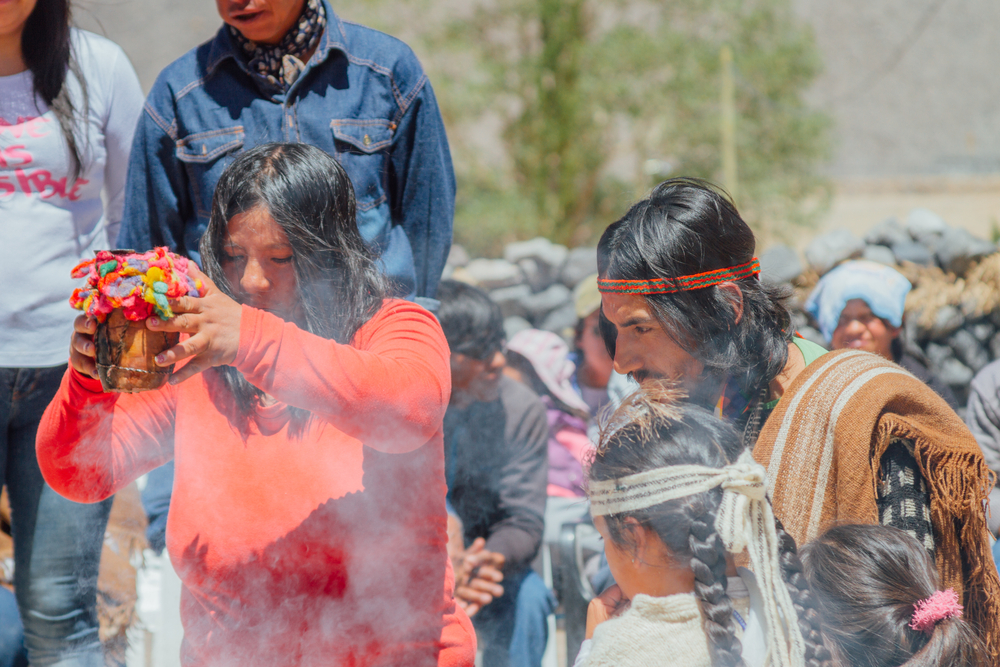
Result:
[361,581]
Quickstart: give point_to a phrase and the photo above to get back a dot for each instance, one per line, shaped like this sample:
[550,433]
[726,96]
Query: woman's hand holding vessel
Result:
[213,324]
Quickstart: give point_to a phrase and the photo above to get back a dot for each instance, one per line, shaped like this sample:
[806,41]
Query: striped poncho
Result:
[822,445]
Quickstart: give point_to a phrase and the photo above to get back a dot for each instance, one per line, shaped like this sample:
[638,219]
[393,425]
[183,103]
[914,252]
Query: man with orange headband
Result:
[846,436]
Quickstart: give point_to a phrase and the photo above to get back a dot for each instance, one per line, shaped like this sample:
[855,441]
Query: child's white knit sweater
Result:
[653,632]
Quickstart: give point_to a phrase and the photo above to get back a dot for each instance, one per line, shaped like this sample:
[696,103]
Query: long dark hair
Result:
[309,195]
[669,433]
[47,51]
[687,226]
[867,580]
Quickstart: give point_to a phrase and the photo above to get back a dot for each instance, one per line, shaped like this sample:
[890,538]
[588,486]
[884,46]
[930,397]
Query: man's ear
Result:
[733,292]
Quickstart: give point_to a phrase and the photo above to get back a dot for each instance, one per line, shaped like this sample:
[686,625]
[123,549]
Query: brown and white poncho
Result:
[822,446]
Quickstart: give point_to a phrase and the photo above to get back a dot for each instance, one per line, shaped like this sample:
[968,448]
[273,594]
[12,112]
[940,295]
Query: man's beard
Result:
[703,391]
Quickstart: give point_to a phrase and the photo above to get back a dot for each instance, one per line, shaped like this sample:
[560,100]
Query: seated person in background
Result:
[877,592]
[859,306]
[496,463]
[308,521]
[676,496]
[982,416]
[541,360]
[593,363]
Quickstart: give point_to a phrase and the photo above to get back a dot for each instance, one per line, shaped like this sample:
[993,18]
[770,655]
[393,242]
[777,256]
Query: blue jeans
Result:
[57,543]
[513,629]
[12,653]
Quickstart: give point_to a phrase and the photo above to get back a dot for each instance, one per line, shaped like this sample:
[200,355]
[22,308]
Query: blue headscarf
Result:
[884,290]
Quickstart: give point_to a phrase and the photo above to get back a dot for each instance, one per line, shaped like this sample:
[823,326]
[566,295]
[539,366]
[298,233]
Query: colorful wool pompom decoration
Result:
[137,283]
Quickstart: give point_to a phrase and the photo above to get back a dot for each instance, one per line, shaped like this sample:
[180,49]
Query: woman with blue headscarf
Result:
[859,305]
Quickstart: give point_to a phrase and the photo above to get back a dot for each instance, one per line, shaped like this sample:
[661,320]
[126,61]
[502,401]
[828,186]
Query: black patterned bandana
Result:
[281,63]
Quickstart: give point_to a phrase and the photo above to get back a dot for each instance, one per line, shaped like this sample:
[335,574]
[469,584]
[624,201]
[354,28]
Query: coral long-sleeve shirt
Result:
[322,549]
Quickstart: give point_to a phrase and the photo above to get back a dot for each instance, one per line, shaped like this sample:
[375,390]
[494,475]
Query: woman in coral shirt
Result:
[308,519]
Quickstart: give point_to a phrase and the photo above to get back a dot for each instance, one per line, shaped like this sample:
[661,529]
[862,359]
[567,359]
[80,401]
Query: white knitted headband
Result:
[744,521]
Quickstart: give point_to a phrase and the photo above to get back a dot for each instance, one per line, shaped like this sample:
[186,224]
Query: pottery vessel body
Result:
[125,352]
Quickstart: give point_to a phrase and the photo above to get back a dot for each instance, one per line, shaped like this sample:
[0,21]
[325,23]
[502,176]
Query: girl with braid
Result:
[676,498]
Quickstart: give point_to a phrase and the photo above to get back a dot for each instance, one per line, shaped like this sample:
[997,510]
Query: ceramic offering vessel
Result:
[124,289]
[125,352]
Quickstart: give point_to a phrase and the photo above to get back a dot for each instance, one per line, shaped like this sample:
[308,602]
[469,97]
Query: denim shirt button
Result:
[367,140]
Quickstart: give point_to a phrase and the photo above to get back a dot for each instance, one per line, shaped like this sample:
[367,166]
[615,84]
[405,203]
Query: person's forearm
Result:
[390,392]
[73,443]
[85,453]
[519,546]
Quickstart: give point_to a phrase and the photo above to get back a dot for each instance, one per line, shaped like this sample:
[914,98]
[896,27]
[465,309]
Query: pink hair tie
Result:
[939,606]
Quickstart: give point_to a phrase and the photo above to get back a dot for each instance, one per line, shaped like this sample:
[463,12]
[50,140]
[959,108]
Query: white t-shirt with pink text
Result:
[48,223]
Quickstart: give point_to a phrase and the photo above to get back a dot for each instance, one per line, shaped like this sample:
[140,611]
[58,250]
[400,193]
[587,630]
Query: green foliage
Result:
[561,112]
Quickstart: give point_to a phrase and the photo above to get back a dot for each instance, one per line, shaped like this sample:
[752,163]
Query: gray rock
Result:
[922,223]
[995,346]
[947,320]
[539,249]
[969,350]
[511,325]
[780,264]
[580,263]
[957,249]
[827,250]
[457,256]
[880,254]
[560,319]
[510,300]
[911,251]
[983,331]
[937,354]
[494,273]
[911,340]
[813,336]
[536,273]
[539,305]
[954,373]
[888,233]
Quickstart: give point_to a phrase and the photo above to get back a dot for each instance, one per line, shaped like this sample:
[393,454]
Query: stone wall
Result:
[952,321]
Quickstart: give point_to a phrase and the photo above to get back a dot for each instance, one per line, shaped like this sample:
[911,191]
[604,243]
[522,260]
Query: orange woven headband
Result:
[681,284]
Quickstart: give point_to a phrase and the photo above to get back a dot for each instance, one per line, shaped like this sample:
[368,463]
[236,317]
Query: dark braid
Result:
[750,425]
[817,654]
[708,562]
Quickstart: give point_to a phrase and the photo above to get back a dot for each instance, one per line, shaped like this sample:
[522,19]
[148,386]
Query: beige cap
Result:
[586,297]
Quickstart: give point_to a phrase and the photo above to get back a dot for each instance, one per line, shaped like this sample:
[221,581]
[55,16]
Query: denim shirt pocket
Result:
[203,156]
[361,149]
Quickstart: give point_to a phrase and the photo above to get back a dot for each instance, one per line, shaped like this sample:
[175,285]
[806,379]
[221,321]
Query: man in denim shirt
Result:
[291,70]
